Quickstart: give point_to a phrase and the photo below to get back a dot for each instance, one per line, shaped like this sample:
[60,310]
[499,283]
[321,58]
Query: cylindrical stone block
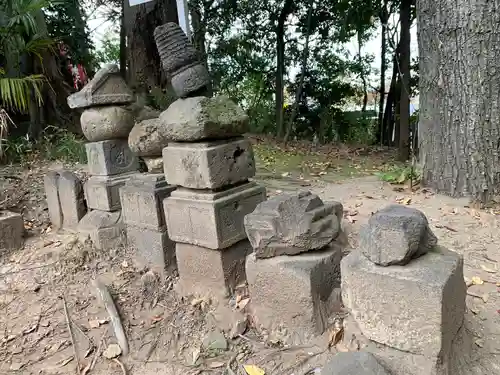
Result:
[106,123]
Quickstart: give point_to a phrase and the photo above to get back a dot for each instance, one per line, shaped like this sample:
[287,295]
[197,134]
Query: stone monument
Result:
[211,162]
[11,231]
[405,293]
[294,272]
[106,122]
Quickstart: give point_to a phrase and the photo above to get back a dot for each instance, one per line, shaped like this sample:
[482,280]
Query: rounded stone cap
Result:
[105,123]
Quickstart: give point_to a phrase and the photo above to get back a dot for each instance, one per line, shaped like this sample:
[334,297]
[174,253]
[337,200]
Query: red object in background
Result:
[78,72]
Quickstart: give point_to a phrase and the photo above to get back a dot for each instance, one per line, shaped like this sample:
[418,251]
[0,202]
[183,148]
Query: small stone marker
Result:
[292,224]
[396,235]
[51,183]
[11,231]
[354,363]
[71,199]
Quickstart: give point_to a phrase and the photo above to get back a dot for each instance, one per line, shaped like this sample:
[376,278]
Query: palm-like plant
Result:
[19,35]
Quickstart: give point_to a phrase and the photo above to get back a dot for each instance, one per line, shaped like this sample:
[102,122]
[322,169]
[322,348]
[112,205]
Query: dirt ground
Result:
[53,273]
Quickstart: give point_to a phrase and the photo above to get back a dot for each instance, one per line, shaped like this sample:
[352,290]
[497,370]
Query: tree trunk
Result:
[280,64]
[389,114]
[305,56]
[144,66]
[459,45]
[404,64]
[362,75]
[384,17]
[123,43]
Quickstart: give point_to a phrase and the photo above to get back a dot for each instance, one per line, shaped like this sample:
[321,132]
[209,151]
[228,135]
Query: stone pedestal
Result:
[105,229]
[142,206]
[11,231]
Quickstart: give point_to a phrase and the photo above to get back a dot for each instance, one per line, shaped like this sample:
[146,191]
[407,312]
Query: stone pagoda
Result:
[106,122]
[210,161]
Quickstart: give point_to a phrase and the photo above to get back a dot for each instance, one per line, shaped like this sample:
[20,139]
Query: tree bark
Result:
[459,45]
[144,66]
[123,43]
[384,17]
[404,102]
[280,64]
[362,75]
[305,56]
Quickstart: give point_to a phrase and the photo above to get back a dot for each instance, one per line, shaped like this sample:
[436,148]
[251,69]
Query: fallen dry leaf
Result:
[488,269]
[479,342]
[94,324]
[253,370]
[112,351]
[336,333]
[242,304]
[476,280]
[216,364]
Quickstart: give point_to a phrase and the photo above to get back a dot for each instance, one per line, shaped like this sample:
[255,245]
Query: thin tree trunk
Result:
[404,61]
[362,75]
[384,17]
[280,64]
[305,56]
[459,44]
[123,43]
[389,115]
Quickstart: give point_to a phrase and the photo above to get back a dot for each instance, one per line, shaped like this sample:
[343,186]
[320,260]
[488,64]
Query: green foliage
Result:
[400,175]
[109,52]
[54,144]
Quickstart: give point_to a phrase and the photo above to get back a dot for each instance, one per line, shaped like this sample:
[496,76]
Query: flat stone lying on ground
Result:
[152,248]
[71,199]
[142,200]
[106,229]
[103,192]
[209,165]
[396,235]
[108,122]
[110,157]
[353,363]
[145,138]
[208,272]
[106,88]
[201,118]
[416,308]
[211,219]
[11,231]
[297,291]
[292,224]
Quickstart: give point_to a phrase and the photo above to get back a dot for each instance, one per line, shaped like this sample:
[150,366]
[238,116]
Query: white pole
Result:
[183,14]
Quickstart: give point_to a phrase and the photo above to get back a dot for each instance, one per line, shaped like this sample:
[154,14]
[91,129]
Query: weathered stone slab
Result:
[142,200]
[295,290]
[291,224]
[178,55]
[396,235]
[51,183]
[417,308]
[152,248]
[106,88]
[210,272]
[111,157]
[208,165]
[71,199]
[154,164]
[103,193]
[105,229]
[11,231]
[146,139]
[200,118]
[211,219]
[353,363]
[105,123]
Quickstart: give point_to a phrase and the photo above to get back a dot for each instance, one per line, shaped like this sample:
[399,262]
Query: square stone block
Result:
[142,200]
[51,183]
[152,248]
[11,231]
[416,308]
[103,193]
[105,229]
[211,219]
[209,165]
[298,291]
[71,199]
[112,157]
[210,272]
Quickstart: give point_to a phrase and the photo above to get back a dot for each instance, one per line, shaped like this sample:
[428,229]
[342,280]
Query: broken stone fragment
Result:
[292,224]
[154,164]
[354,363]
[145,139]
[106,88]
[181,60]
[395,235]
[11,231]
[199,118]
[104,123]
